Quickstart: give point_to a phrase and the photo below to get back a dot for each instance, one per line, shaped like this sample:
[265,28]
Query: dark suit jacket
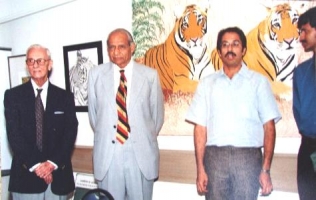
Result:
[59,135]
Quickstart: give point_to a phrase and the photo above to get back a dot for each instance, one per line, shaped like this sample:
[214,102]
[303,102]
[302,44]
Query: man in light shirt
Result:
[234,113]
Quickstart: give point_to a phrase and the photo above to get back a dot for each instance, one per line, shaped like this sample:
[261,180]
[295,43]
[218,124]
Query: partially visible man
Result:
[42,127]
[234,113]
[304,107]
[126,111]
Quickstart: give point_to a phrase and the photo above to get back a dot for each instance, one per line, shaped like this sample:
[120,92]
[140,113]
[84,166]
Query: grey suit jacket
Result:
[145,114]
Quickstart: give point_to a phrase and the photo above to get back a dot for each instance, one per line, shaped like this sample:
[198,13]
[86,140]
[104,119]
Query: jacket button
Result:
[113,142]
[114,126]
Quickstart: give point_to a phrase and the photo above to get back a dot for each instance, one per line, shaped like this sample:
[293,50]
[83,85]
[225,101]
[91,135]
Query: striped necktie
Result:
[39,116]
[122,125]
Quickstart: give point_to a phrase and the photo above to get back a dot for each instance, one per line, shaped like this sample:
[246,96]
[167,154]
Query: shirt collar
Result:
[44,86]
[127,68]
[244,71]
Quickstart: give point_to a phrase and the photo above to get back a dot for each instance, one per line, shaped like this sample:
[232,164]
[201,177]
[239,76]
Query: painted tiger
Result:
[78,78]
[272,47]
[183,59]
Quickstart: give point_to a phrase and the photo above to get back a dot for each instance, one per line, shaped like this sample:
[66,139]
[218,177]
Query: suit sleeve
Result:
[91,100]
[157,103]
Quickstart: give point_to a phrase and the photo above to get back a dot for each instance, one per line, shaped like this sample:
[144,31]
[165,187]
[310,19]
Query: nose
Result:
[116,51]
[230,47]
[288,41]
[35,64]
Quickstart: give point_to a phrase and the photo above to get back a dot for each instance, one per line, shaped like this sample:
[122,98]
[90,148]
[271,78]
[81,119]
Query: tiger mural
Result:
[183,59]
[272,47]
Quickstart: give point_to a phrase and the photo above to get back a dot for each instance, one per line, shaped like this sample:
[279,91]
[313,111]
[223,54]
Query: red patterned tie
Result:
[122,125]
[39,116]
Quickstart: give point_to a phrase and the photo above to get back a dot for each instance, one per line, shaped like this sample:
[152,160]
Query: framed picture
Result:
[18,73]
[79,59]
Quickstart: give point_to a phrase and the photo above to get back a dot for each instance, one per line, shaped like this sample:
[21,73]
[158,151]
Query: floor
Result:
[171,190]
[167,190]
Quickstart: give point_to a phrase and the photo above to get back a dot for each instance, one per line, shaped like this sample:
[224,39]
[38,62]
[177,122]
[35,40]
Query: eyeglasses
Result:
[234,44]
[40,61]
[119,47]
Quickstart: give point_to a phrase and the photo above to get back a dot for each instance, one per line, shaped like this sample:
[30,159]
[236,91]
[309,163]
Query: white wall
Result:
[5,152]
[77,22]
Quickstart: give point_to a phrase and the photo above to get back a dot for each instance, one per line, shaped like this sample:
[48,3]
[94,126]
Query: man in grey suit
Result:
[125,154]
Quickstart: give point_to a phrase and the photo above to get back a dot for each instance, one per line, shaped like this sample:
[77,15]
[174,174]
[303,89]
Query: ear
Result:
[50,65]
[219,53]
[133,48]
[244,51]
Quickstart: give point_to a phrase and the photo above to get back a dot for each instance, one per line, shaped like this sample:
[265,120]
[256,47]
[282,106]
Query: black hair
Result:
[235,29]
[307,17]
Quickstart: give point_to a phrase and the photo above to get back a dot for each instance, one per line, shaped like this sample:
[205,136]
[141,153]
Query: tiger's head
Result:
[78,77]
[279,38]
[191,28]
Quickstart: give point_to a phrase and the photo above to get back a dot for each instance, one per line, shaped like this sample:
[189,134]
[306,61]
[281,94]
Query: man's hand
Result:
[201,182]
[48,179]
[266,184]
[44,171]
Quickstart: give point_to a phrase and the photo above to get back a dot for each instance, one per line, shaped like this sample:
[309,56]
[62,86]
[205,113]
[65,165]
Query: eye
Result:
[276,25]
[30,61]
[295,18]
[236,44]
[225,44]
[184,25]
[40,61]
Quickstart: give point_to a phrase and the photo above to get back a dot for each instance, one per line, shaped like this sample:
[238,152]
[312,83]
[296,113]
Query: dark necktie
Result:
[39,115]
[122,125]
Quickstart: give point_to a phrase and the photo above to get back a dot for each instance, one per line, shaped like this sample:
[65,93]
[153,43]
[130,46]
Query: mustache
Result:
[303,41]
[230,53]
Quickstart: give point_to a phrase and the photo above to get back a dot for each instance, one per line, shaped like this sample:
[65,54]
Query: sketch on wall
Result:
[79,59]
[178,38]
[18,72]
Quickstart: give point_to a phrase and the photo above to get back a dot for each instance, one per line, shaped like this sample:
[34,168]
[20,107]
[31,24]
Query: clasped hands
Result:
[44,171]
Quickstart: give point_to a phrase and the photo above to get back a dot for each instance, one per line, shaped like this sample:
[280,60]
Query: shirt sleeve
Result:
[267,105]
[197,112]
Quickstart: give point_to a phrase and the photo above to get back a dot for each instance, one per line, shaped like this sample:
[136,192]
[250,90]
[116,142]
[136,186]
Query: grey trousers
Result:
[124,180]
[47,195]
[233,172]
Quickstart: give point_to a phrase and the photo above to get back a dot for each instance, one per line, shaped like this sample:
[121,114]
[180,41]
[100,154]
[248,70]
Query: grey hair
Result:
[124,31]
[38,46]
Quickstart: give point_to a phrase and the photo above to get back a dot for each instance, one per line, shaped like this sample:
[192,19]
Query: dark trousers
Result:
[306,176]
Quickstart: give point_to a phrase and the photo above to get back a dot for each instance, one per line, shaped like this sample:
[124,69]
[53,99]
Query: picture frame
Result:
[18,73]
[78,60]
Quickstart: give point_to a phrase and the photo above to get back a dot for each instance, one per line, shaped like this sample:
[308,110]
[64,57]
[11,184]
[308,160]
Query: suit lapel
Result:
[137,84]
[28,98]
[107,80]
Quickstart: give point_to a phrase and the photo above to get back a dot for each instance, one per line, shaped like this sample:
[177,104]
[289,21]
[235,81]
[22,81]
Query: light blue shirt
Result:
[234,110]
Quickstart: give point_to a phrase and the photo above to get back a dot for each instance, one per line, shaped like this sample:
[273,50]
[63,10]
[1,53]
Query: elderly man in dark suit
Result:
[42,128]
